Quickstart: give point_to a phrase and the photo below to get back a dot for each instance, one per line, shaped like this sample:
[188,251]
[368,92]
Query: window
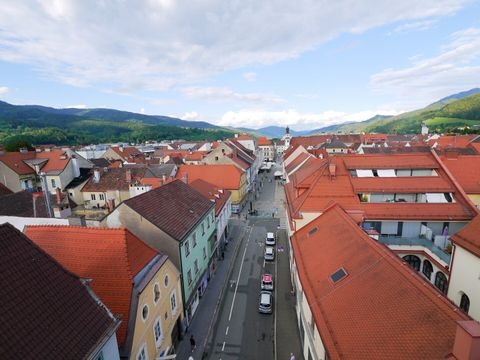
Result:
[101,196]
[54,184]
[142,354]
[156,293]
[165,280]
[92,196]
[187,248]
[204,253]
[100,356]
[203,229]
[465,303]
[145,312]
[166,315]
[157,332]
[413,261]
[194,239]
[338,275]
[195,264]
[173,302]
[189,276]
[441,282]
[427,269]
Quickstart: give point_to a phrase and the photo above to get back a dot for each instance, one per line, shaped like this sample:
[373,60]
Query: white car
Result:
[266,302]
[269,253]
[270,239]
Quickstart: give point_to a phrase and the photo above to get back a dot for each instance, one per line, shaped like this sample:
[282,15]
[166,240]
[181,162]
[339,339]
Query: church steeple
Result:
[287,130]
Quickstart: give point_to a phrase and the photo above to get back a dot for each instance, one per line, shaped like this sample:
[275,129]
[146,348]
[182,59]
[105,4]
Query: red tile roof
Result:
[469,237]
[175,208]
[222,176]
[54,160]
[392,161]
[110,257]
[127,151]
[195,156]
[314,191]
[47,313]
[211,192]
[453,141]
[4,190]
[296,162]
[263,141]
[114,179]
[381,309]
[466,169]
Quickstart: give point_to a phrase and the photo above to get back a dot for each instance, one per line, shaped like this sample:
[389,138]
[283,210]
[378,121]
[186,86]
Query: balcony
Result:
[400,243]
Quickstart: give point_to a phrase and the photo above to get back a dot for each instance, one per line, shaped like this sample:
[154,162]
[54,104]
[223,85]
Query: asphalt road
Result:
[240,331]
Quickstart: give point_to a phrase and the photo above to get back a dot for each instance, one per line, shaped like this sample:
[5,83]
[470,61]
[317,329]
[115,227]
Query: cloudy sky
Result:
[303,63]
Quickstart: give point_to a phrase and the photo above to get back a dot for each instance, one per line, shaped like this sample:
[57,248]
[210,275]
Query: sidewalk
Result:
[205,315]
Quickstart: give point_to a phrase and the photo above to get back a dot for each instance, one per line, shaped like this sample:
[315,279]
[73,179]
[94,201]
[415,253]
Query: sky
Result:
[243,63]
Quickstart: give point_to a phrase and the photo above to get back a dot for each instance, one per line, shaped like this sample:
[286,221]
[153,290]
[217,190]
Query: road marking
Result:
[226,332]
[239,273]
[264,263]
[223,346]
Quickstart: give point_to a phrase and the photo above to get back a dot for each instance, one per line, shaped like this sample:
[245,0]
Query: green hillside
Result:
[41,125]
[448,114]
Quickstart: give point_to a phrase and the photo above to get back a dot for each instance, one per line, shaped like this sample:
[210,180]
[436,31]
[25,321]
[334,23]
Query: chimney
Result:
[128,176]
[23,150]
[164,178]
[467,340]
[96,175]
[77,220]
[111,204]
[58,194]
[120,148]
[331,169]
[35,196]
[236,135]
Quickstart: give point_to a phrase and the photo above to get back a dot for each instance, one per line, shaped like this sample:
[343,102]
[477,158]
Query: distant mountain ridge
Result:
[454,111]
[40,124]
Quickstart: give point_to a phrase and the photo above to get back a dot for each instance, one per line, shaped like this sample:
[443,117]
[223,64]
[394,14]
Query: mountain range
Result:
[41,125]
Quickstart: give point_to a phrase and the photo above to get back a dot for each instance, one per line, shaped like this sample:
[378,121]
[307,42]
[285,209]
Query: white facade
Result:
[109,349]
[222,218]
[465,279]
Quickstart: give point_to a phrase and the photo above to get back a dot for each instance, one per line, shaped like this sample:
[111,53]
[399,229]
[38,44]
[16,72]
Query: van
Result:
[267,282]
[266,302]
[269,253]
[270,239]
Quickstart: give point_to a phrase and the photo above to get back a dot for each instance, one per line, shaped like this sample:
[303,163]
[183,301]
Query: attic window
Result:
[338,275]
[313,231]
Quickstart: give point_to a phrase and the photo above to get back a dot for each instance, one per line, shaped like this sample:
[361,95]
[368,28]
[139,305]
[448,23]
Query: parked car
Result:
[270,239]
[269,253]
[266,302]
[267,282]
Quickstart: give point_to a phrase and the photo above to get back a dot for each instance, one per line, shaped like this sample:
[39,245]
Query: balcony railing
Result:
[401,241]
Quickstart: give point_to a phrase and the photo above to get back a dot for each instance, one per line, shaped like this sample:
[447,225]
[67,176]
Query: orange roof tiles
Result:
[195,156]
[54,160]
[263,141]
[392,161]
[406,184]
[381,309]
[211,192]
[453,141]
[466,169]
[318,188]
[110,257]
[469,237]
[296,162]
[222,176]
[127,151]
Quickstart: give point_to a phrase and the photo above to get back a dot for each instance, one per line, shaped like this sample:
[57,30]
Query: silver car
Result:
[266,302]
[269,253]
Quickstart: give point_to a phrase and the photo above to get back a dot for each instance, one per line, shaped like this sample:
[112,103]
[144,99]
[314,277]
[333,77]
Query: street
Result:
[239,330]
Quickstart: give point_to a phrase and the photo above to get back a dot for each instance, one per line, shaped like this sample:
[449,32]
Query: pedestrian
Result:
[292,357]
[273,214]
[223,255]
[192,343]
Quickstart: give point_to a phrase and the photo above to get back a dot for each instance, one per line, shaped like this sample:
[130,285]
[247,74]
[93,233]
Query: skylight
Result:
[338,275]
[313,231]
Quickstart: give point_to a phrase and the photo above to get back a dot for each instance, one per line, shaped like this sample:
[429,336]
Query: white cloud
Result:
[157,44]
[142,110]
[192,115]
[456,68]
[299,121]
[4,90]
[79,106]
[250,76]
[225,94]
[415,26]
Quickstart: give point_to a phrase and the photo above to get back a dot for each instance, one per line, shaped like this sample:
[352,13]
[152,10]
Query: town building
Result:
[136,282]
[48,312]
[179,221]
[227,177]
